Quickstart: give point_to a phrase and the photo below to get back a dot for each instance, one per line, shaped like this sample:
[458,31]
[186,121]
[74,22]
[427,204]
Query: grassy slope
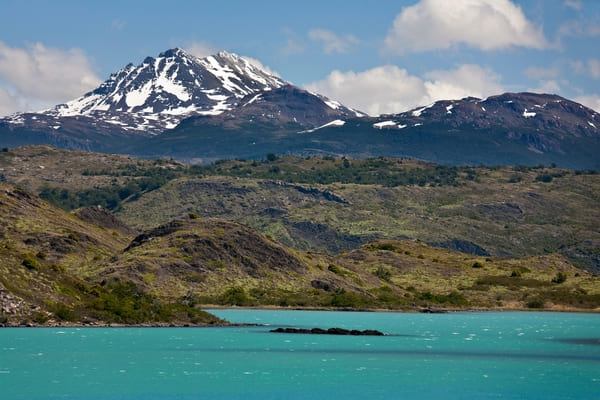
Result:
[56,267]
[49,260]
[507,211]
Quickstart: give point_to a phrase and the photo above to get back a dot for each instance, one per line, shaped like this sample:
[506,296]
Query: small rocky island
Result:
[330,331]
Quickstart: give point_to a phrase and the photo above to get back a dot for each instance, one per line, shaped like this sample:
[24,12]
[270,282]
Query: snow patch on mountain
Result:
[336,123]
[380,125]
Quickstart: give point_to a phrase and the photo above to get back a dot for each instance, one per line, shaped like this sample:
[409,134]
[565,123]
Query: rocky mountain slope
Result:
[156,95]
[510,129]
[200,110]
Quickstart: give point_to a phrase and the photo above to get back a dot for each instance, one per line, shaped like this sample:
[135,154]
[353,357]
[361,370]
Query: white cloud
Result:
[591,67]
[574,4]
[546,86]
[201,49]
[332,43]
[482,24]
[293,44]
[40,76]
[541,73]
[579,28]
[8,103]
[118,24]
[466,80]
[594,68]
[389,89]
[260,65]
[578,66]
[591,100]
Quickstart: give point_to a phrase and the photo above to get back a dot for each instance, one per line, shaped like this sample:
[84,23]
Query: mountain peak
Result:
[158,93]
[174,52]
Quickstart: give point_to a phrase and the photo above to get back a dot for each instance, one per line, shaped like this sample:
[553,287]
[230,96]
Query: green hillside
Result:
[318,232]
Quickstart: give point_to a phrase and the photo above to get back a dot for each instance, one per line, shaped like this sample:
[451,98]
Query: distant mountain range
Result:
[222,106]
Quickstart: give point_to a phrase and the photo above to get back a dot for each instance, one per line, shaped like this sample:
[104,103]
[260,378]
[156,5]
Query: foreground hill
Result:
[331,205]
[56,268]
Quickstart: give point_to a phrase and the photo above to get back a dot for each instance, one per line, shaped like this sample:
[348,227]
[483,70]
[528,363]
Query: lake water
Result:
[506,355]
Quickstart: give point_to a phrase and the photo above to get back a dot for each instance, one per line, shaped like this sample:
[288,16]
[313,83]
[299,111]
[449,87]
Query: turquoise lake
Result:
[507,355]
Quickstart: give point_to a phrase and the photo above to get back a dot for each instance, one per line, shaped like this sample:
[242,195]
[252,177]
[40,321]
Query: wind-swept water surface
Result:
[425,356]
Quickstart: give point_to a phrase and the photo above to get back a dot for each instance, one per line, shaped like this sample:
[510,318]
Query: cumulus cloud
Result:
[333,43]
[389,89]
[482,24]
[40,76]
[466,80]
[380,90]
[201,49]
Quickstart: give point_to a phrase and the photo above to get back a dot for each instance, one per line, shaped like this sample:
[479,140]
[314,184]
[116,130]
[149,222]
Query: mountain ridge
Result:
[222,106]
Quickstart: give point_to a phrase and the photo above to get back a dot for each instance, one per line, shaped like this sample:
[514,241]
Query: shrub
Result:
[193,215]
[335,269]
[383,273]
[477,264]
[536,303]
[559,278]
[235,296]
[58,268]
[63,312]
[384,246]
[30,262]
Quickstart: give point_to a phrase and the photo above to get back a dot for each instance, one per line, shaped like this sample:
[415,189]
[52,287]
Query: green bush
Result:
[383,273]
[536,303]
[30,262]
[454,298]
[235,296]
[63,312]
[560,277]
[335,269]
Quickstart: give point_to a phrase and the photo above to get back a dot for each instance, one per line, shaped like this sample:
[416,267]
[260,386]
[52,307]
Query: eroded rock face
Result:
[105,218]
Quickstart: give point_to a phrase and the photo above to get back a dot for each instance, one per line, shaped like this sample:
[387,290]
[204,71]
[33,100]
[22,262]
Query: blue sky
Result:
[379,56]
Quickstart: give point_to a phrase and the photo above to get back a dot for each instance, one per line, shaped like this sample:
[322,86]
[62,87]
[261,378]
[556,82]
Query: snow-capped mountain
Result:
[544,122]
[223,106]
[158,93]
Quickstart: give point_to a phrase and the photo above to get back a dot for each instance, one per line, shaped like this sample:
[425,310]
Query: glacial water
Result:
[506,355]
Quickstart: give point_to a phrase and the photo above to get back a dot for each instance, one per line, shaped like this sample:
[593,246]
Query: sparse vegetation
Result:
[360,239]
